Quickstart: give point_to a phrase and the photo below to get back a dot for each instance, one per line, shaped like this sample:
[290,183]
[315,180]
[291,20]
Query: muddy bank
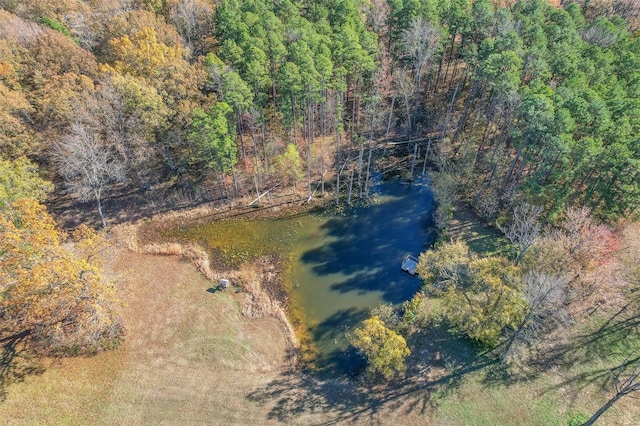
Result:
[257,282]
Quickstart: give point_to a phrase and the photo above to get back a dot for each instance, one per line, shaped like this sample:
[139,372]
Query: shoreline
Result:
[255,279]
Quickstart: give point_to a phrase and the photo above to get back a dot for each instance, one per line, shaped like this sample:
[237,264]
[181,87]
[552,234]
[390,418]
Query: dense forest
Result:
[527,111]
[191,100]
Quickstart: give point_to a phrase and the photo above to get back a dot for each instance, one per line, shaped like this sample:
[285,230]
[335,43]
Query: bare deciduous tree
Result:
[87,165]
[193,20]
[405,88]
[83,28]
[377,15]
[578,227]
[546,299]
[127,114]
[598,36]
[420,43]
[524,229]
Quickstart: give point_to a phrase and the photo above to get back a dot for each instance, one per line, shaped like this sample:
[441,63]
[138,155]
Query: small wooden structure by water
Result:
[409,264]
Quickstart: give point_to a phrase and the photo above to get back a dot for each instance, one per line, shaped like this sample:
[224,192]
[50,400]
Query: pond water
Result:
[337,266]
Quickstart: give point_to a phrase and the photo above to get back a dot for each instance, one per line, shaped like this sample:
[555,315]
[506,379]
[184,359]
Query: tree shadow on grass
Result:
[613,344]
[439,365]
[434,370]
[295,394]
[582,360]
[16,363]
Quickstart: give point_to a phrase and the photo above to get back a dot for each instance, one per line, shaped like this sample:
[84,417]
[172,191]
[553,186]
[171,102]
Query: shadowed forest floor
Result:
[467,226]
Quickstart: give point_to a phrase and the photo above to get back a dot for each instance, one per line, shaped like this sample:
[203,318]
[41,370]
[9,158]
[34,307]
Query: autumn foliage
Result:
[56,296]
[384,349]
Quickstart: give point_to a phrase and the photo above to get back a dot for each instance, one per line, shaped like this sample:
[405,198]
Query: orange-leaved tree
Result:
[55,296]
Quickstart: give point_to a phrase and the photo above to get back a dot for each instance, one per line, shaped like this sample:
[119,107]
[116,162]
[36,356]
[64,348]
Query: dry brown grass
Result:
[251,278]
[190,357]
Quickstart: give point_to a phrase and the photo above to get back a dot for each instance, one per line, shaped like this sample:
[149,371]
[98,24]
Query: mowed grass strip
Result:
[484,240]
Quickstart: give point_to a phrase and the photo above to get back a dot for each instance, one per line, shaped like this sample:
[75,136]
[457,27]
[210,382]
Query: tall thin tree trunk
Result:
[413,162]
[393,101]
[360,157]
[454,73]
[427,84]
[340,100]
[233,175]
[350,187]
[338,187]
[295,119]
[435,84]
[513,166]
[477,110]
[255,181]
[426,156]
[407,107]
[239,130]
[486,131]
[323,173]
[222,179]
[309,138]
[416,102]
[97,192]
[465,112]
[366,182]
[323,107]
[353,106]
[273,89]
[264,147]
[446,121]
[446,73]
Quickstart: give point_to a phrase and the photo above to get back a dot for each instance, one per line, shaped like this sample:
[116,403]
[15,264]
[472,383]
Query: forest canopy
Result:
[521,102]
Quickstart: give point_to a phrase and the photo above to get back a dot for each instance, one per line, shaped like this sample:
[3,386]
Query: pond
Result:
[337,265]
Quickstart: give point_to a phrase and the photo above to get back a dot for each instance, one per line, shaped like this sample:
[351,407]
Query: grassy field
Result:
[190,357]
[565,386]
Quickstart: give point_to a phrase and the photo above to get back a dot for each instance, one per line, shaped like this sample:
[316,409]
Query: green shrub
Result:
[56,26]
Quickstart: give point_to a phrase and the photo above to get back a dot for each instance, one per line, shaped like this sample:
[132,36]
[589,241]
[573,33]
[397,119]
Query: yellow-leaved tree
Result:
[384,349]
[55,297]
[289,166]
[158,65]
[19,178]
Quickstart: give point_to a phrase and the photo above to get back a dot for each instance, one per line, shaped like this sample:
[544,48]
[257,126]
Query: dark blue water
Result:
[350,263]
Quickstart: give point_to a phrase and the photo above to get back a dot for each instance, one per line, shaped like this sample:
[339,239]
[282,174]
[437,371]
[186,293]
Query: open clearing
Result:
[467,226]
[190,357]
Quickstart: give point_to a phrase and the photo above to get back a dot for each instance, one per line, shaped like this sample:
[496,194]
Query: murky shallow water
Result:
[337,266]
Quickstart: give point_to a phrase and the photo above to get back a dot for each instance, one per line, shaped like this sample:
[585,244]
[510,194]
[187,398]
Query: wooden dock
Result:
[409,264]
